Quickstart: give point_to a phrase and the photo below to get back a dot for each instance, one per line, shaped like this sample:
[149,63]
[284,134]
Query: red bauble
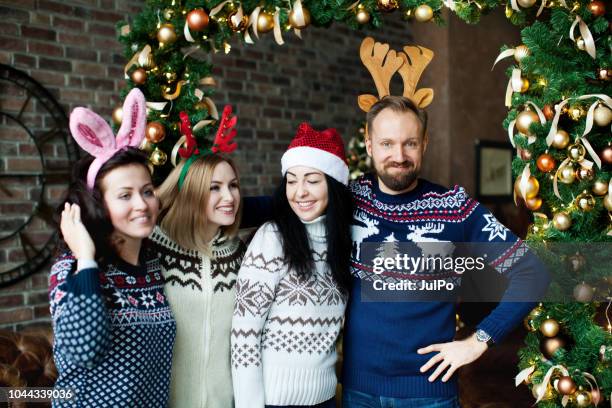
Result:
[197,20]
[597,8]
[546,163]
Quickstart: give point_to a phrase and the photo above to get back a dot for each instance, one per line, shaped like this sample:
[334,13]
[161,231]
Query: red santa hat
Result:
[322,150]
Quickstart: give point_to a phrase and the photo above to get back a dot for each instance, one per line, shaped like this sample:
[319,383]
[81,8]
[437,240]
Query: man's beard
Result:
[400,181]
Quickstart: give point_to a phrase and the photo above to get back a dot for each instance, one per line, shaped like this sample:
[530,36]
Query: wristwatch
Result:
[484,337]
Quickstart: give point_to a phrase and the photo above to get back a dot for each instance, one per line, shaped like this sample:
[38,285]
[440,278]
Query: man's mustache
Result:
[406,163]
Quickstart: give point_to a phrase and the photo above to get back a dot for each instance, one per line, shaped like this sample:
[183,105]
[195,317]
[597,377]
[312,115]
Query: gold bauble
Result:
[235,24]
[139,76]
[584,174]
[576,152]
[546,163]
[580,44]
[583,292]
[602,115]
[197,19]
[520,52]
[548,394]
[423,13]
[576,112]
[526,3]
[297,24]
[158,157]
[550,345]
[387,5]
[117,115]
[170,76]
[576,262]
[582,399]
[265,22]
[146,146]
[561,139]
[562,221]
[585,201]
[600,187]
[567,175]
[607,202]
[549,327]
[533,187]
[525,119]
[155,132]
[166,34]
[168,13]
[524,85]
[533,204]
[362,15]
[529,324]
[565,385]
[536,312]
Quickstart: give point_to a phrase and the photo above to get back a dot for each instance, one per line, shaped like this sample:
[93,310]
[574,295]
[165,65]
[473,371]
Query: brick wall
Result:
[70,47]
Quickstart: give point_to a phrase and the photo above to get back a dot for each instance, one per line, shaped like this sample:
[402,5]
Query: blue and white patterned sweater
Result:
[114,333]
[381,337]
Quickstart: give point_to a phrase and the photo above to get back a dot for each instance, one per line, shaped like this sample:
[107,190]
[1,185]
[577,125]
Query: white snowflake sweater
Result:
[285,327]
[200,290]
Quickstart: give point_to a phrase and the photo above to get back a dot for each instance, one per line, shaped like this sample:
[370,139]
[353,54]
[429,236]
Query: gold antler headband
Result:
[384,63]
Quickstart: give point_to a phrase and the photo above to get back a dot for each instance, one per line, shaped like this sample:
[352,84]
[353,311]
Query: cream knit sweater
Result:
[201,293]
[285,328]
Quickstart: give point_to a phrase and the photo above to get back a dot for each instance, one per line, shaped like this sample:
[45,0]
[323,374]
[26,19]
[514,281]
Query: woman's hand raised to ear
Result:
[75,234]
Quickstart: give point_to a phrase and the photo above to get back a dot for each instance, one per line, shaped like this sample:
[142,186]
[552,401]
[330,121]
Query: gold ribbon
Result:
[175,149]
[201,124]
[352,6]
[158,106]
[586,35]
[546,381]
[523,375]
[212,108]
[172,96]
[504,54]
[139,58]
[278,35]
[187,33]
[511,132]
[218,8]
[298,13]
[589,377]
[583,163]
[530,139]
[553,127]
[208,81]
[514,85]
[514,5]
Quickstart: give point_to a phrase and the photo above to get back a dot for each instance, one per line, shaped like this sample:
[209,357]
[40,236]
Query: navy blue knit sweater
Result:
[381,338]
[114,333]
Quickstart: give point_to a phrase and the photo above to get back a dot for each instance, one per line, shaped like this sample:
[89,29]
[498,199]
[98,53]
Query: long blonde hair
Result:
[183,212]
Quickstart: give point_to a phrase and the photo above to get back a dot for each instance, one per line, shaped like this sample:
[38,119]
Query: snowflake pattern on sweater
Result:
[285,326]
[114,333]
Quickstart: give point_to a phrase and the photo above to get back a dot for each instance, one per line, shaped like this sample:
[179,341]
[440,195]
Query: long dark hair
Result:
[94,214]
[295,243]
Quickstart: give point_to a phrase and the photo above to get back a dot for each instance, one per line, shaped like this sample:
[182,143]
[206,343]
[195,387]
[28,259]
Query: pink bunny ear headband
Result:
[95,136]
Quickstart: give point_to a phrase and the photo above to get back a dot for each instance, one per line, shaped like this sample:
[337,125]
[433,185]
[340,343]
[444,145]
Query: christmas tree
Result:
[560,106]
[559,121]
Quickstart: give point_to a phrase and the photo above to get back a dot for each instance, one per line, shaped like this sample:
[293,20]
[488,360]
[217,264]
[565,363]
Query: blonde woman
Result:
[200,258]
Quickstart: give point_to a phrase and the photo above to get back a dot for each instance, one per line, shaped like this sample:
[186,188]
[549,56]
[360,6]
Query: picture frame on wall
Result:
[494,170]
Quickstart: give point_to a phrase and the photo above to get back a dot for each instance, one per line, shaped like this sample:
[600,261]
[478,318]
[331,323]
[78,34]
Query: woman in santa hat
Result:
[292,286]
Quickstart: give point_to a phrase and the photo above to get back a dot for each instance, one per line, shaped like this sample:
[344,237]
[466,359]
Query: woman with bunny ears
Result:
[114,330]
[200,257]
